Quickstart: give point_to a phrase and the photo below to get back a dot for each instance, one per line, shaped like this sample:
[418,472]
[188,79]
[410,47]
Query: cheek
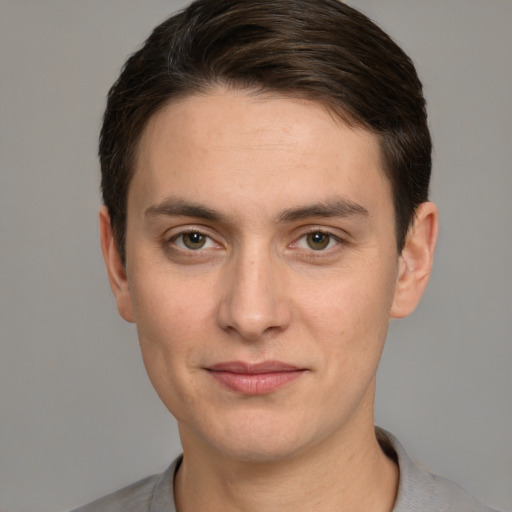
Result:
[170,323]
[167,306]
[168,343]
[350,317]
[351,304]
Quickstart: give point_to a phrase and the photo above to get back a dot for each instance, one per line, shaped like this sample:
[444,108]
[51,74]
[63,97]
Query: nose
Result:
[253,304]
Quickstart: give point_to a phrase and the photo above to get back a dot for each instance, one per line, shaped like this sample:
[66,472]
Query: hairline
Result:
[337,112]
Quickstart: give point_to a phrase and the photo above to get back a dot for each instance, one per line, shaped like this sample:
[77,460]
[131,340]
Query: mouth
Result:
[254,379]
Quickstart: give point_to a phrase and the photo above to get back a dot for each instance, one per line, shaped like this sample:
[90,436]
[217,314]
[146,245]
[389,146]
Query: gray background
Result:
[78,415]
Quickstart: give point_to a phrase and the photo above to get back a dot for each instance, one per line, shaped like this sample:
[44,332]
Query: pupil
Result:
[194,240]
[318,240]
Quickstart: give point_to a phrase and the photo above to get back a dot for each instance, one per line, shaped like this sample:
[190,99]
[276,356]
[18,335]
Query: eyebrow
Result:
[179,207]
[333,208]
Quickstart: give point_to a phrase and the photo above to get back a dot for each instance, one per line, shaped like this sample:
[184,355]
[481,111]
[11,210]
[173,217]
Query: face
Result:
[261,271]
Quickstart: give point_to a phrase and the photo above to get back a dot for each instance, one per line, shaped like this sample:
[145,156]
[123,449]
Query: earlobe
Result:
[415,262]
[115,269]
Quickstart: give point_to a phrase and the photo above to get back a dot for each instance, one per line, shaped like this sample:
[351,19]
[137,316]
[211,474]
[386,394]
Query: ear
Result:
[115,269]
[415,262]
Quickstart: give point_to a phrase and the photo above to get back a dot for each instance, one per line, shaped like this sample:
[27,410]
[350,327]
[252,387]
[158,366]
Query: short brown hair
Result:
[321,50]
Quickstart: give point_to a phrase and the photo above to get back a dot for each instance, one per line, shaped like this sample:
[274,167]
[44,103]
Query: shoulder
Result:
[428,491]
[134,498]
[150,494]
[422,491]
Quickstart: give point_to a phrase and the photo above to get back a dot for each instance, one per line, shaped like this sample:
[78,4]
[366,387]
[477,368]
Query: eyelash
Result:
[313,253]
[333,239]
[173,240]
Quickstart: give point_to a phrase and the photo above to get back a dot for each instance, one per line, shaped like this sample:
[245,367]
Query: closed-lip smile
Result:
[254,379]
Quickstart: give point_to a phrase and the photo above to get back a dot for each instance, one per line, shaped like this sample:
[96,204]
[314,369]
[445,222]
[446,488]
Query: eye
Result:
[317,241]
[193,241]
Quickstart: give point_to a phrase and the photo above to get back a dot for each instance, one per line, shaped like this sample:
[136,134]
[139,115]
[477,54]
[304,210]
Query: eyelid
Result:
[339,236]
[331,232]
[174,233]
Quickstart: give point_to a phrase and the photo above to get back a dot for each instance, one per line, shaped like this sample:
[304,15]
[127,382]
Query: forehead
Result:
[256,147]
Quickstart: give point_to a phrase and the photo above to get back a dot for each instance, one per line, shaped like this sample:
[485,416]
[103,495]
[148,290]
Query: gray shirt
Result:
[418,490]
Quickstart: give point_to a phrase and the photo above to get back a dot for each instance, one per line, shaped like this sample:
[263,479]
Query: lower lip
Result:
[255,384]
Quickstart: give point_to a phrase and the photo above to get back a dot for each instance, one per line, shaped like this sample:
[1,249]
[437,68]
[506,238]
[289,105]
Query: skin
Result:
[299,265]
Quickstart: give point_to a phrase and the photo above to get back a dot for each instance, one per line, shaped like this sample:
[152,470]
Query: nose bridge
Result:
[254,301]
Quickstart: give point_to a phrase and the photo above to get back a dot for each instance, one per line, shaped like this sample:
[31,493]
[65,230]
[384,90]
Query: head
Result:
[265,172]
[323,51]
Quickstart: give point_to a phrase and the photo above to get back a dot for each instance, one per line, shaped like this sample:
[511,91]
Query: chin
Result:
[257,437]
[258,450]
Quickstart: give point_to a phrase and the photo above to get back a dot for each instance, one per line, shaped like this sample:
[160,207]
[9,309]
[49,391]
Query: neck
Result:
[348,474]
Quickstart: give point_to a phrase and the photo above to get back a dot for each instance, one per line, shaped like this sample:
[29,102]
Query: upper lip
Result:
[253,368]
